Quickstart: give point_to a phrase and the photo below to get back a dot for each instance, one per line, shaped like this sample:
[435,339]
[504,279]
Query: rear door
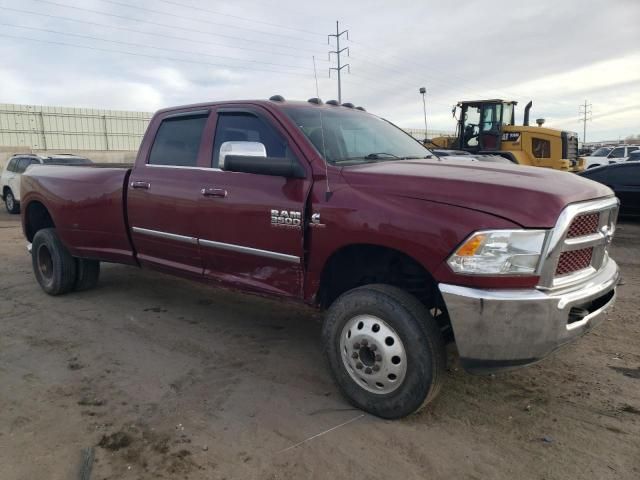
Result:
[251,229]
[163,195]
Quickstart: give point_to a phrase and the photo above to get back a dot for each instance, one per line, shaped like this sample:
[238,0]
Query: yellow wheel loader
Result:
[488,127]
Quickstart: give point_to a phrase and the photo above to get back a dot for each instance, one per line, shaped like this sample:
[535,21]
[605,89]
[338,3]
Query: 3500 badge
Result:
[286,218]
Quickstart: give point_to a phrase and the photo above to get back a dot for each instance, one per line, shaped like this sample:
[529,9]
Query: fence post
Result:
[106,133]
[43,131]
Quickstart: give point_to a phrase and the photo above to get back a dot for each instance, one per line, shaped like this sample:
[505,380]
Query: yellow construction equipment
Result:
[488,127]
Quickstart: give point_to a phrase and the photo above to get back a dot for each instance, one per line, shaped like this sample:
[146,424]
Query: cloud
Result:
[134,57]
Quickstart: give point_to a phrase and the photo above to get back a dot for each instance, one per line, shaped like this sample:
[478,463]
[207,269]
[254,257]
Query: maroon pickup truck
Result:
[329,205]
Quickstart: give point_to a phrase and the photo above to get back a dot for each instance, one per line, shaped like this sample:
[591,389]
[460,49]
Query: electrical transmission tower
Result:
[585,113]
[338,52]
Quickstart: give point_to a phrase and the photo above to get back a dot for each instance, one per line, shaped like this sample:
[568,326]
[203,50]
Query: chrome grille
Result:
[577,245]
[584,225]
[574,261]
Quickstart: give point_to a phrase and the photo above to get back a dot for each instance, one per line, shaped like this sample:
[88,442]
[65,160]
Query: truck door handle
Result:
[214,192]
[143,185]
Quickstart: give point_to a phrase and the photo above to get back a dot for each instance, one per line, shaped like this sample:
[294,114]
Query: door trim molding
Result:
[165,235]
[250,251]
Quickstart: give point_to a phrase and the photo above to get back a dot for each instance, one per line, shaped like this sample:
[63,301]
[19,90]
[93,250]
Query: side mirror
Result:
[243,149]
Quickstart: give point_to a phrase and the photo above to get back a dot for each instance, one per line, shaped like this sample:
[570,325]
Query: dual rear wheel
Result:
[56,270]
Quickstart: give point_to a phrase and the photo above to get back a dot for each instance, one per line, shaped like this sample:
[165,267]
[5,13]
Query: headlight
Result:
[499,252]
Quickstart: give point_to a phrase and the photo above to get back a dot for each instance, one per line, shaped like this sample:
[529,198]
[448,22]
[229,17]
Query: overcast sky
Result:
[167,52]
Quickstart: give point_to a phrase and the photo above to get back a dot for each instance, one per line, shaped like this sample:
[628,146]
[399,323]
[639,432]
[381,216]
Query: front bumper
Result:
[502,329]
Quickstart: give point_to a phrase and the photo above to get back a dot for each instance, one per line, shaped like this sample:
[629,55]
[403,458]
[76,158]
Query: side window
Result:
[245,127]
[12,165]
[541,148]
[471,126]
[23,163]
[617,153]
[177,142]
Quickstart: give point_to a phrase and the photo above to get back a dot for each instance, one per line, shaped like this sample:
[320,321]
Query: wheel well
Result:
[37,217]
[5,190]
[363,264]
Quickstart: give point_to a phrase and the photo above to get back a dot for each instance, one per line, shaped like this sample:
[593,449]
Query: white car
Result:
[18,164]
[607,155]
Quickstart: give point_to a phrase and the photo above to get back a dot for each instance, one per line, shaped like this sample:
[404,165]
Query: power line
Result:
[585,111]
[262,22]
[208,22]
[164,36]
[173,27]
[148,46]
[338,52]
[157,57]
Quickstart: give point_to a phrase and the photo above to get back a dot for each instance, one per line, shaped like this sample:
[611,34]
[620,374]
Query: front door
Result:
[163,196]
[251,229]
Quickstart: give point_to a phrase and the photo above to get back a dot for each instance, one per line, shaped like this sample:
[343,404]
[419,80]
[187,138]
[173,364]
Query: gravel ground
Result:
[165,378]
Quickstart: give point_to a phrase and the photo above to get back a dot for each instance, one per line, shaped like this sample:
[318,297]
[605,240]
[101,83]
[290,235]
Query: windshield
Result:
[601,152]
[348,136]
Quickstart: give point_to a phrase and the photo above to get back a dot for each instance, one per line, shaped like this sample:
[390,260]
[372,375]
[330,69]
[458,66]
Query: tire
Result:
[53,265]
[10,203]
[87,274]
[394,377]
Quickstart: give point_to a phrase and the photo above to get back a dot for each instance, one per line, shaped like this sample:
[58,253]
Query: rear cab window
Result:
[178,140]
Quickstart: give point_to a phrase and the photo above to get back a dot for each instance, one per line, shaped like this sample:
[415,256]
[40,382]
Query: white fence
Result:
[60,128]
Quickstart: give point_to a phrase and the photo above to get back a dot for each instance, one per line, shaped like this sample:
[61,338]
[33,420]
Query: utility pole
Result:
[585,112]
[423,91]
[338,51]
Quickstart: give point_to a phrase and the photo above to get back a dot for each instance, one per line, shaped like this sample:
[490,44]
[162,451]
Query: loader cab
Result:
[480,124]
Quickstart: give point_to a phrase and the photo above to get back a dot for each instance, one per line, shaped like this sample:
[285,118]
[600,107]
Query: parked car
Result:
[624,180]
[335,207]
[18,164]
[601,157]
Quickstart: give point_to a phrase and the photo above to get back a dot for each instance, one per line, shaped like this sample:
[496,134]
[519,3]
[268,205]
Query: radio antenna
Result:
[327,194]
[315,74]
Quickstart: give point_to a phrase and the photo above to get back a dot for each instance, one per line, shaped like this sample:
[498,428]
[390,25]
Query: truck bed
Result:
[87,205]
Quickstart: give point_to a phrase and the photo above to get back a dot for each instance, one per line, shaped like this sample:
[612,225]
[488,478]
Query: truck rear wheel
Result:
[53,265]
[87,274]
[384,349]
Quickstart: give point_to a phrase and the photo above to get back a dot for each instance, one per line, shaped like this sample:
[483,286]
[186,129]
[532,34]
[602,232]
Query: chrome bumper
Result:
[501,329]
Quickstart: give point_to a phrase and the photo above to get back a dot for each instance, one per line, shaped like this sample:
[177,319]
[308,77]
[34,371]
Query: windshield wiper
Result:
[376,156]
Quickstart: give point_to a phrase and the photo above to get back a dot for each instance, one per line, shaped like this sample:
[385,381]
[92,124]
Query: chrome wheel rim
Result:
[373,354]
[9,201]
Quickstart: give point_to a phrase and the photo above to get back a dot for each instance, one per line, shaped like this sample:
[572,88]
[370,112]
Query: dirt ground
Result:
[170,379]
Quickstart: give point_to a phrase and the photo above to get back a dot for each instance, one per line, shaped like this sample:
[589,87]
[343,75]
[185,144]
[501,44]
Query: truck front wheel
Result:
[384,349]
[53,265]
